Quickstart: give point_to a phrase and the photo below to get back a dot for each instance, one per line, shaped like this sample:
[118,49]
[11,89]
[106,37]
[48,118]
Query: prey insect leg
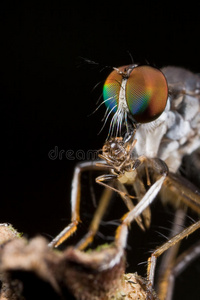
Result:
[122,191]
[161,170]
[103,204]
[75,201]
[94,226]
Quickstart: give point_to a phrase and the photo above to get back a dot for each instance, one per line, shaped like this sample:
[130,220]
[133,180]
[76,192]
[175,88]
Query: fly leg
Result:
[122,230]
[173,241]
[181,194]
[75,201]
[162,171]
[181,263]
[170,256]
[140,191]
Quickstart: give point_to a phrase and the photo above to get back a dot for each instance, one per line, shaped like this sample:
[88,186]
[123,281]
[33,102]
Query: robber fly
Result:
[155,122]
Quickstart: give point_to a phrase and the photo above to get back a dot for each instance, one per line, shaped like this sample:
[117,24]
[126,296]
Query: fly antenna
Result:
[131,56]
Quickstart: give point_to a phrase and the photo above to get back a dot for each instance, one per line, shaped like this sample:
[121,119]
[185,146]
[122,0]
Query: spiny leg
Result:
[181,263]
[122,191]
[161,170]
[128,218]
[75,201]
[180,193]
[170,256]
[189,197]
[173,241]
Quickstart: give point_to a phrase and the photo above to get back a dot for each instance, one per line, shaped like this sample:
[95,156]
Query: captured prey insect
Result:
[156,122]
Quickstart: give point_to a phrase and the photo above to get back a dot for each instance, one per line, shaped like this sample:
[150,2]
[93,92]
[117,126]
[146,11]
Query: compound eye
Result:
[146,93]
[111,89]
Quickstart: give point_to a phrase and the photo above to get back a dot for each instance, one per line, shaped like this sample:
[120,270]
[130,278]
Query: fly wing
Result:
[179,191]
[190,167]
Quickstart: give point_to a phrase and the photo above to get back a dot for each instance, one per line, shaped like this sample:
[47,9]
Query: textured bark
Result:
[31,270]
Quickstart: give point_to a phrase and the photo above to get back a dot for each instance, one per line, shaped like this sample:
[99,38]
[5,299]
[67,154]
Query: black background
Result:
[46,90]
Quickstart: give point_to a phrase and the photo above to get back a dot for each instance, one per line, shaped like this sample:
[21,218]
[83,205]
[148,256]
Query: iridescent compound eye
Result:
[146,92]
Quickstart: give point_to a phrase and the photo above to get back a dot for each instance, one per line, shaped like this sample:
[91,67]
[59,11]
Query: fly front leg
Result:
[140,191]
[75,201]
[128,218]
[161,169]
